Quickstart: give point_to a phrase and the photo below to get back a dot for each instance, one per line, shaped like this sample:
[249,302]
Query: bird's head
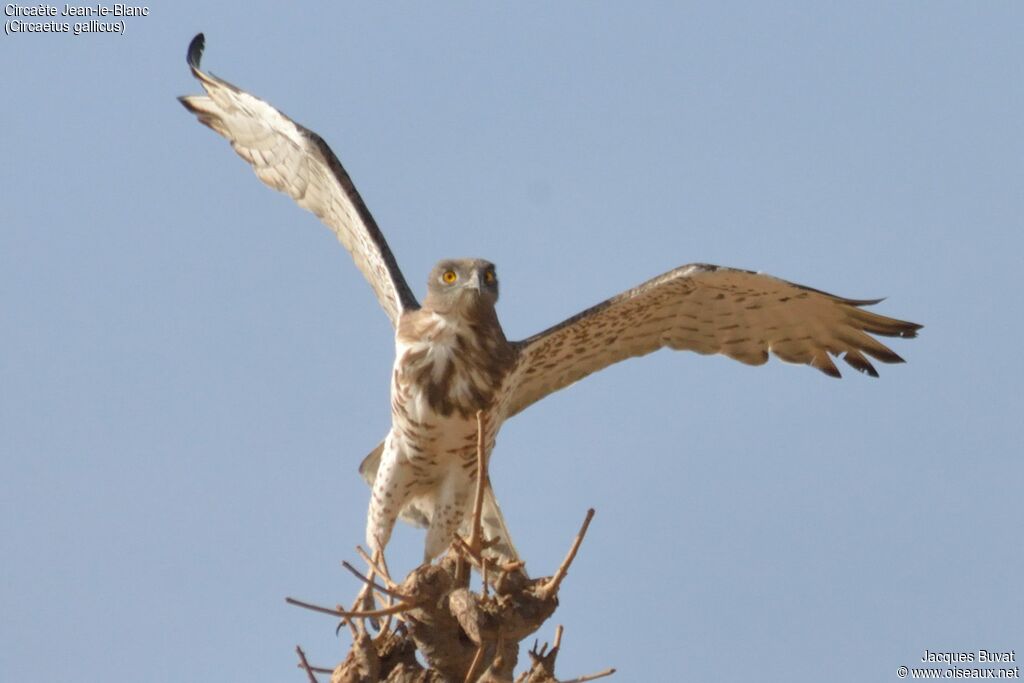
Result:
[462,284]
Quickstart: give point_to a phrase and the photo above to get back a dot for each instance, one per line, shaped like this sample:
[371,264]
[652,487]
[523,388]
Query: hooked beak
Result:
[474,281]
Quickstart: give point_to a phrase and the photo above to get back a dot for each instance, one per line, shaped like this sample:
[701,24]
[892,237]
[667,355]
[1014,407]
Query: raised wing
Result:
[296,161]
[707,309]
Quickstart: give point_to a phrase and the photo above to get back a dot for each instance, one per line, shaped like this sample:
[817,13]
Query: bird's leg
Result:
[393,487]
[391,490]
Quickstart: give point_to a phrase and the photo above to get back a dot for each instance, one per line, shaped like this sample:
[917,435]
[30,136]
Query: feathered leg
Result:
[392,489]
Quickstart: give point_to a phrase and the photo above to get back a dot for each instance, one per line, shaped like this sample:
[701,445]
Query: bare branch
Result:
[394,609]
[376,586]
[380,570]
[551,587]
[305,665]
[483,580]
[474,545]
[476,530]
[591,677]
[475,664]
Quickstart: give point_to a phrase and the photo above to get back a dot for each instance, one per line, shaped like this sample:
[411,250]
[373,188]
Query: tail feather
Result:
[495,529]
[371,463]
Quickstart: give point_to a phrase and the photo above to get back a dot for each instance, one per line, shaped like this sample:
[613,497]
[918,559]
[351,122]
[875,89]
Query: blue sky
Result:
[191,368]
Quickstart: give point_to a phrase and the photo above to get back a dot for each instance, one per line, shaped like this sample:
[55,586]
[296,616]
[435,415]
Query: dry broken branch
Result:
[378,568]
[338,612]
[305,665]
[591,677]
[373,584]
[542,669]
[552,586]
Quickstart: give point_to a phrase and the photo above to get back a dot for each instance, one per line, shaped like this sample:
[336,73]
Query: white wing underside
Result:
[296,161]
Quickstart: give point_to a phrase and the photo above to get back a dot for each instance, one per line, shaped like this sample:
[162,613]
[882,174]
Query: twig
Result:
[467,552]
[383,563]
[365,598]
[558,637]
[305,665]
[476,530]
[483,580]
[499,647]
[315,608]
[473,545]
[483,565]
[368,614]
[394,609]
[474,664]
[352,627]
[551,587]
[591,677]
[379,567]
[376,568]
[374,584]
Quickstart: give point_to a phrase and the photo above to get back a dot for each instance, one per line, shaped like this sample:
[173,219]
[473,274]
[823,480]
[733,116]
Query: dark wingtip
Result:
[859,363]
[195,50]
[910,330]
[863,302]
[185,103]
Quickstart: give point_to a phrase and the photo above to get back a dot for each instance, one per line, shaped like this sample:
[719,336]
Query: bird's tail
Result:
[493,525]
[371,463]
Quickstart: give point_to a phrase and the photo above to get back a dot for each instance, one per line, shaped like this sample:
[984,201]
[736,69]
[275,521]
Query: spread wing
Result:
[296,161]
[707,309]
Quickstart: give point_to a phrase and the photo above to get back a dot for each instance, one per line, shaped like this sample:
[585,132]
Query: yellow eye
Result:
[449,276]
[489,277]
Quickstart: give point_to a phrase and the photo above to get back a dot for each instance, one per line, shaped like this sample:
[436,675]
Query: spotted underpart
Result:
[451,361]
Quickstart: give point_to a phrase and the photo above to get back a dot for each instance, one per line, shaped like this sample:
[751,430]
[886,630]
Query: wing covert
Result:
[295,160]
[708,309]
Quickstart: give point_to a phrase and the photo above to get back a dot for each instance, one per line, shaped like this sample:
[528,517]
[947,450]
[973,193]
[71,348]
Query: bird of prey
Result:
[452,358]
